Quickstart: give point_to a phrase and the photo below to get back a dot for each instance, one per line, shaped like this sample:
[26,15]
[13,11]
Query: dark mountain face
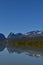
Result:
[11,35]
[2,37]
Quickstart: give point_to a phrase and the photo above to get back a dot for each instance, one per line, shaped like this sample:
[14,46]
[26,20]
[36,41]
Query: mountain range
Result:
[36,33]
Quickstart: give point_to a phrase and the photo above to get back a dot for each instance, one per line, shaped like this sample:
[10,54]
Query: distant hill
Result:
[2,37]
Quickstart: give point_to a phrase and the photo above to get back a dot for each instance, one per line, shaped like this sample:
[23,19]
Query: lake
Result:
[15,55]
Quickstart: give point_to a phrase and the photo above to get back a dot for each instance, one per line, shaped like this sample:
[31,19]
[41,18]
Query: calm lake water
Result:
[10,55]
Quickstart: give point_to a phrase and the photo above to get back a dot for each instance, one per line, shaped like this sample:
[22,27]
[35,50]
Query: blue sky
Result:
[20,16]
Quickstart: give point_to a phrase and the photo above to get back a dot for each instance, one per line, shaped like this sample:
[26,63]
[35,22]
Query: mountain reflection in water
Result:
[20,49]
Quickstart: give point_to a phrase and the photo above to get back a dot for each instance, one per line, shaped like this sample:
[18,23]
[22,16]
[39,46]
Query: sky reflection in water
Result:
[10,55]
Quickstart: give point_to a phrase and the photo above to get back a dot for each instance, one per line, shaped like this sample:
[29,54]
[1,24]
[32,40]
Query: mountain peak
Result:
[11,35]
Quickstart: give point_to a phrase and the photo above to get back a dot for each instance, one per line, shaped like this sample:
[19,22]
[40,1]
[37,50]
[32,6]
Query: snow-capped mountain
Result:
[34,33]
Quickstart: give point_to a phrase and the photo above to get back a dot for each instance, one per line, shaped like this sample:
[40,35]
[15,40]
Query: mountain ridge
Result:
[11,35]
[28,34]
